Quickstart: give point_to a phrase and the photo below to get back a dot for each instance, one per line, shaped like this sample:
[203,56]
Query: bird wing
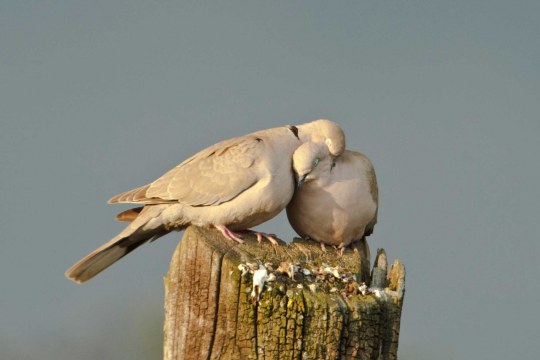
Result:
[215,175]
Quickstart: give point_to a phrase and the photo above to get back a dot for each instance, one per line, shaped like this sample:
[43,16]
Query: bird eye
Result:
[315,162]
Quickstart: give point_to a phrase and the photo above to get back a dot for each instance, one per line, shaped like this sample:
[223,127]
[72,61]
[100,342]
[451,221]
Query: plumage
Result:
[338,203]
[233,185]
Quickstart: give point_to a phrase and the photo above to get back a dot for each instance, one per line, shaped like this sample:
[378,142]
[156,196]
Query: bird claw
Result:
[341,249]
[269,237]
[231,235]
[261,235]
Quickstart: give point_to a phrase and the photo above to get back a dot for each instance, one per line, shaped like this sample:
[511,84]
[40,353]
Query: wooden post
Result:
[319,313]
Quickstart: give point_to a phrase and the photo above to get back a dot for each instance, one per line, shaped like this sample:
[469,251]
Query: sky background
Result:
[98,97]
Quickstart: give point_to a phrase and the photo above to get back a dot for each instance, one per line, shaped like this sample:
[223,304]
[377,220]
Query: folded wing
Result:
[213,176]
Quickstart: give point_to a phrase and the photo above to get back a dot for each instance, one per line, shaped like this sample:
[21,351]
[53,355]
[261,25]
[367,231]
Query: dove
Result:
[338,201]
[233,185]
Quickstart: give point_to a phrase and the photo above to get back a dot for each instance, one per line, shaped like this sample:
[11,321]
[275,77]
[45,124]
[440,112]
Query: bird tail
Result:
[129,215]
[134,235]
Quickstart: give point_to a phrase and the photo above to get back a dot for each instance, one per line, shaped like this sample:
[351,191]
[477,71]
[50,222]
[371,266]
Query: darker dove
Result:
[233,185]
[338,202]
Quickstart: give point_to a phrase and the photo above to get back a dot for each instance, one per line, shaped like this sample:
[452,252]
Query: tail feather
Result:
[134,195]
[129,215]
[128,240]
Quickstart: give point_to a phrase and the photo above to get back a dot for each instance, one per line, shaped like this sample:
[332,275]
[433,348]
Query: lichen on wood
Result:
[306,312]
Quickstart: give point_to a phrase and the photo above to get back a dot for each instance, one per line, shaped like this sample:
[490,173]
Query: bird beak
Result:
[300,180]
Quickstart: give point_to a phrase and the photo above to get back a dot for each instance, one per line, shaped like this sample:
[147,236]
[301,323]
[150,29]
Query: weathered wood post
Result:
[319,313]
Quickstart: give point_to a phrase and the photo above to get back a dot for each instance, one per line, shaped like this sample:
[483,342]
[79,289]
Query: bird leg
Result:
[231,235]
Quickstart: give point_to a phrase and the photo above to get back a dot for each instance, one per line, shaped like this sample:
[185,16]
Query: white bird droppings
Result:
[260,276]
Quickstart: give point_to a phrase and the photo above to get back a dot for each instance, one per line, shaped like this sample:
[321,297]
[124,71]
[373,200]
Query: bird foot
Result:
[261,235]
[231,235]
[341,249]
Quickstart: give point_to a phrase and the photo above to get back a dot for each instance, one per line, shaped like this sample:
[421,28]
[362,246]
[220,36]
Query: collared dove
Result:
[233,185]
[338,202]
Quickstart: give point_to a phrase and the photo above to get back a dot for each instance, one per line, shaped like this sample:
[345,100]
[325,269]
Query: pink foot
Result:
[229,234]
[261,235]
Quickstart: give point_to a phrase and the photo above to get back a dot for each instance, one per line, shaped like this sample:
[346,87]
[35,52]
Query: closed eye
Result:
[315,162]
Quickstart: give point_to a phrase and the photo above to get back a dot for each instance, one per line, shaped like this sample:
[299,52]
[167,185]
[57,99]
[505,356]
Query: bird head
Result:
[325,131]
[311,160]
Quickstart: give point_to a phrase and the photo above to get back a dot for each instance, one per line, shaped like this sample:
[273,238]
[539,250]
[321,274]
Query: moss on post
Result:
[312,309]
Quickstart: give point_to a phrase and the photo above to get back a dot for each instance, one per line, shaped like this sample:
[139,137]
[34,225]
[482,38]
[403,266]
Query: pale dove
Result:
[338,202]
[233,185]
